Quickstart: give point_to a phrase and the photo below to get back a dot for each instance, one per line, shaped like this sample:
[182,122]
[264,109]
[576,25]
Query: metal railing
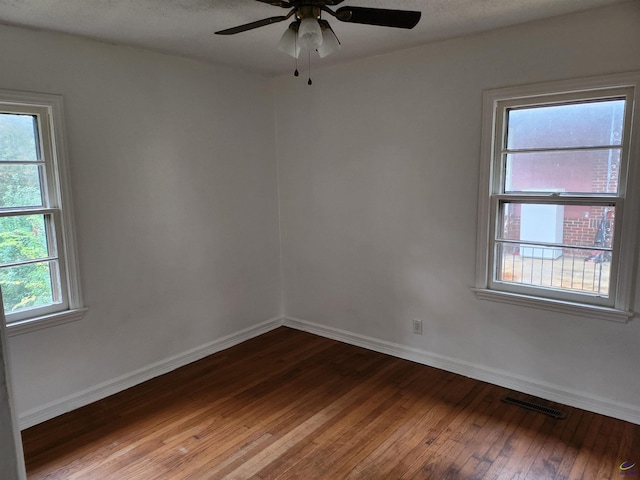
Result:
[560,268]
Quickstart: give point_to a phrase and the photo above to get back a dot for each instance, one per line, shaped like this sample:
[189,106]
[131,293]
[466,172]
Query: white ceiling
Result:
[185,27]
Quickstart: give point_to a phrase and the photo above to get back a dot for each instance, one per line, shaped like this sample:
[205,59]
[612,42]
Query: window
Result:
[557,218]
[38,271]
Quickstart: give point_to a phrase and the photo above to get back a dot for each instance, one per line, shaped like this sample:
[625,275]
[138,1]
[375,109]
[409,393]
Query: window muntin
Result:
[579,169]
[33,256]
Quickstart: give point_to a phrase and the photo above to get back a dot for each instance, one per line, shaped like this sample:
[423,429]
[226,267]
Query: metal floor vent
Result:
[535,407]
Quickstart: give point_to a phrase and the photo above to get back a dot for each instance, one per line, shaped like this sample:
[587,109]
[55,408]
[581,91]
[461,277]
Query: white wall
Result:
[378,172]
[175,195]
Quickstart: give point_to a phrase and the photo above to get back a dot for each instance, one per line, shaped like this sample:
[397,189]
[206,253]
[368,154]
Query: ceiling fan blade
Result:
[252,25]
[379,16]
[277,3]
[333,2]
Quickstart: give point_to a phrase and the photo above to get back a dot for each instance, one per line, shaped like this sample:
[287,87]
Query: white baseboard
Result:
[555,393]
[104,389]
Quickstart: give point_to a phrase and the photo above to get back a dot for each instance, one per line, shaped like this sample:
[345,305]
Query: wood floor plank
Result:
[410,430]
[290,405]
[554,449]
[579,469]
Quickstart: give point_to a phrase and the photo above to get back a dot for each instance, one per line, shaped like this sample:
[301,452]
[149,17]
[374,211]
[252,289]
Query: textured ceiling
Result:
[185,27]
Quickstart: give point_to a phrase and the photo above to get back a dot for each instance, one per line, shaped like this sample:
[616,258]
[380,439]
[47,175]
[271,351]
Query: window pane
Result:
[583,171]
[20,186]
[565,269]
[573,125]
[27,286]
[570,247]
[574,225]
[23,238]
[18,138]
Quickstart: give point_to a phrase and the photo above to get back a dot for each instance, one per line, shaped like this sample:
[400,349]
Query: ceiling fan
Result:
[311,32]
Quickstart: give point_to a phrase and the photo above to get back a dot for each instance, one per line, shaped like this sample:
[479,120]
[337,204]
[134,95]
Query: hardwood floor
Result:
[291,405]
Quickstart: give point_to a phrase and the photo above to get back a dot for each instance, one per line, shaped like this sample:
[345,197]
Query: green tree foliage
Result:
[21,237]
[17,138]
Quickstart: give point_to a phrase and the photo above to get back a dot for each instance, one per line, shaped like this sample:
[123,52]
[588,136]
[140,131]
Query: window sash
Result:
[494,258]
[500,115]
[59,279]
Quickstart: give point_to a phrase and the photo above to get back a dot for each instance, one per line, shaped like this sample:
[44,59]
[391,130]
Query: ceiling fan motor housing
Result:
[308,11]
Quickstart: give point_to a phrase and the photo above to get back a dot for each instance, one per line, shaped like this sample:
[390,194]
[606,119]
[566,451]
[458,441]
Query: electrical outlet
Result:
[417,327]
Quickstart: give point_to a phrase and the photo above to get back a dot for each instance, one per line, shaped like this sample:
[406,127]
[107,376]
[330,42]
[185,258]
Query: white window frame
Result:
[618,307]
[50,114]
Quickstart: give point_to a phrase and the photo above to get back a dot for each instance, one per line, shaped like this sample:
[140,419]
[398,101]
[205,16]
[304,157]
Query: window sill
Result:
[580,309]
[46,321]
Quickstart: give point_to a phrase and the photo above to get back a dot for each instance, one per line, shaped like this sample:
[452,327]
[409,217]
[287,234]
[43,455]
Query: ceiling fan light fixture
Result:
[288,42]
[330,42]
[309,34]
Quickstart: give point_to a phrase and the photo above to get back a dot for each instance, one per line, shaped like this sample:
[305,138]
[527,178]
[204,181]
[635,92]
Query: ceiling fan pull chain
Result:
[309,58]
[295,49]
